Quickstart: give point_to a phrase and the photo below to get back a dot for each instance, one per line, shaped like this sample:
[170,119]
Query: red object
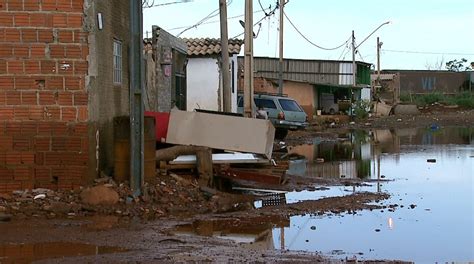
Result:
[162,120]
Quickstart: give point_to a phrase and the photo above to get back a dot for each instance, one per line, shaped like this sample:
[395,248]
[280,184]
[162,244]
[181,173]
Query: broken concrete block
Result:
[406,110]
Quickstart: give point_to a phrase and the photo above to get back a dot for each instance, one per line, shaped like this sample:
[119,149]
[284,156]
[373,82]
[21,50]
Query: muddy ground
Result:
[143,229]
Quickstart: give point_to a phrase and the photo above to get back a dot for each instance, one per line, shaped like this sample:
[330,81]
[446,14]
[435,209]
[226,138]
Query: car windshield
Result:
[290,105]
[265,103]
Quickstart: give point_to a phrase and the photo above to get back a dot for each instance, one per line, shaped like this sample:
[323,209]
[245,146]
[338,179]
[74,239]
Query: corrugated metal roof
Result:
[311,71]
[210,46]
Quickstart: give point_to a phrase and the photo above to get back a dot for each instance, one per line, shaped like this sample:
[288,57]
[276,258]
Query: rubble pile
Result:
[166,197]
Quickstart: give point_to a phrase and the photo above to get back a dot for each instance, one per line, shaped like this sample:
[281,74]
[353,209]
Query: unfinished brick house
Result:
[63,78]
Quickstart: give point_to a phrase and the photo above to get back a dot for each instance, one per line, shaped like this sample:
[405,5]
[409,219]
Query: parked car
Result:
[284,112]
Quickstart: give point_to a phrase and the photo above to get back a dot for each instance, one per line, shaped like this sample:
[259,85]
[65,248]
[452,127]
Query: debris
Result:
[313,228]
[40,196]
[399,120]
[412,206]
[319,160]
[99,195]
[377,230]
[352,123]
[406,110]
[5,217]
[3,209]
[431,160]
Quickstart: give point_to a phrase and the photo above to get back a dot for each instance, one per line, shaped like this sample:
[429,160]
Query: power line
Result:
[427,52]
[151,3]
[272,12]
[309,41]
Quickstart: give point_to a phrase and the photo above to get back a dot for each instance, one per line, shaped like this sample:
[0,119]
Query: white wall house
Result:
[203,78]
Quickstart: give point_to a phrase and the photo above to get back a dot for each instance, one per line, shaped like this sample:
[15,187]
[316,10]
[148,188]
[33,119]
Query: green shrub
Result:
[362,109]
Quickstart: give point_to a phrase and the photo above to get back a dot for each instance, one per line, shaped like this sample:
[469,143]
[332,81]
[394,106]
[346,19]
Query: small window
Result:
[240,100]
[117,62]
[265,103]
[290,105]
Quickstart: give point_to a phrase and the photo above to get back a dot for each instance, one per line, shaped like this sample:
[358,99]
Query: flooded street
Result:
[429,174]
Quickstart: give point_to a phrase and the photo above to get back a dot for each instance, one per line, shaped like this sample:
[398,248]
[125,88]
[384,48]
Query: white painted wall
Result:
[202,76]
[203,83]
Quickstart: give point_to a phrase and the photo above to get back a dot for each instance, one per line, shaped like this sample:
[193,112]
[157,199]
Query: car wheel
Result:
[281,133]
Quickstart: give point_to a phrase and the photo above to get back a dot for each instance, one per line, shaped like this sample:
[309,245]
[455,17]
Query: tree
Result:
[458,65]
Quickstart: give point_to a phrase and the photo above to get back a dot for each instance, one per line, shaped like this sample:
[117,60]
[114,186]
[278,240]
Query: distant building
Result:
[316,84]
[204,81]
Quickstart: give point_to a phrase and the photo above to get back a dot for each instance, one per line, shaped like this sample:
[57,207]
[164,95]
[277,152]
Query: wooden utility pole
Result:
[248,60]
[280,65]
[224,65]
[379,45]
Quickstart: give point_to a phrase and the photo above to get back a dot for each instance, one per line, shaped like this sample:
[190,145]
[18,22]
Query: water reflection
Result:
[434,220]
[357,154]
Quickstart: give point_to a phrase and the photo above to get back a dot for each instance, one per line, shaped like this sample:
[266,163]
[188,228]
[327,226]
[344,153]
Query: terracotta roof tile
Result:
[210,46]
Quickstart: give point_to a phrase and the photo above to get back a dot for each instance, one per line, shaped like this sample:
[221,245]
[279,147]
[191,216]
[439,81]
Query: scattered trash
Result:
[382,176]
[399,120]
[377,230]
[313,228]
[431,160]
[39,196]
[352,123]
[412,206]
[319,160]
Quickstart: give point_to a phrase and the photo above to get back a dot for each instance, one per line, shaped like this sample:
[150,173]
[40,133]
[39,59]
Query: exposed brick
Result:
[48,67]
[6,19]
[57,51]
[13,128]
[6,143]
[23,173]
[80,36]
[65,98]
[15,67]
[3,66]
[74,21]
[22,20]
[29,128]
[6,50]
[81,98]
[6,113]
[78,5]
[55,83]
[29,35]
[25,83]
[66,144]
[21,51]
[13,158]
[3,99]
[80,67]
[36,113]
[43,173]
[45,128]
[66,67]
[48,5]
[52,113]
[21,113]
[27,158]
[5,175]
[42,143]
[60,20]
[73,52]
[68,113]
[47,98]
[21,143]
[13,97]
[73,83]
[31,5]
[78,129]
[45,36]
[12,35]
[39,158]
[29,98]
[15,5]
[38,51]
[7,83]
[82,113]
[32,67]
[66,36]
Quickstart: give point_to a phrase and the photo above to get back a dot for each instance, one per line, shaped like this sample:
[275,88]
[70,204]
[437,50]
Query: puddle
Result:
[26,253]
[253,232]
[429,173]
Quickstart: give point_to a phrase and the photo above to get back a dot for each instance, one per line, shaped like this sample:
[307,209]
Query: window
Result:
[240,101]
[117,62]
[289,105]
[265,103]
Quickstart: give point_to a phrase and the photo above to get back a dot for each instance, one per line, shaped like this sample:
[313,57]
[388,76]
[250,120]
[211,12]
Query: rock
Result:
[4,196]
[406,110]
[99,195]
[41,191]
[58,207]
[5,217]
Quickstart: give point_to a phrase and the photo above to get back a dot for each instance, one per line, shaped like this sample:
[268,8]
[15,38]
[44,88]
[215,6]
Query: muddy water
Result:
[428,172]
[26,253]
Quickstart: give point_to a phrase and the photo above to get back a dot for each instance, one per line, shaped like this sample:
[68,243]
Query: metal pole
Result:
[227,93]
[248,60]
[280,65]
[353,60]
[378,61]
[136,102]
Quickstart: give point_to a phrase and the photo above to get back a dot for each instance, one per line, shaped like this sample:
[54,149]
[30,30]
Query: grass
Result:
[465,99]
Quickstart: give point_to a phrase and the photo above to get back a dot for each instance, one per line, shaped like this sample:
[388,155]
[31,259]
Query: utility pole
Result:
[353,60]
[224,65]
[280,65]
[248,60]
[379,45]
[136,100]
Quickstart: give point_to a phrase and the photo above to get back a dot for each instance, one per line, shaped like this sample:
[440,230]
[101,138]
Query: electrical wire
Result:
[271,13]
[200,22]
[151,3]
[309,41]
[427,52]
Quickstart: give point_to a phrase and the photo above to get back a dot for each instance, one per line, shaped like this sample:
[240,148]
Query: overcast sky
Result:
[422,33]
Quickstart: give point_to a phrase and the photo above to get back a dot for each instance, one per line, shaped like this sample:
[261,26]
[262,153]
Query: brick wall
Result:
[43,101]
